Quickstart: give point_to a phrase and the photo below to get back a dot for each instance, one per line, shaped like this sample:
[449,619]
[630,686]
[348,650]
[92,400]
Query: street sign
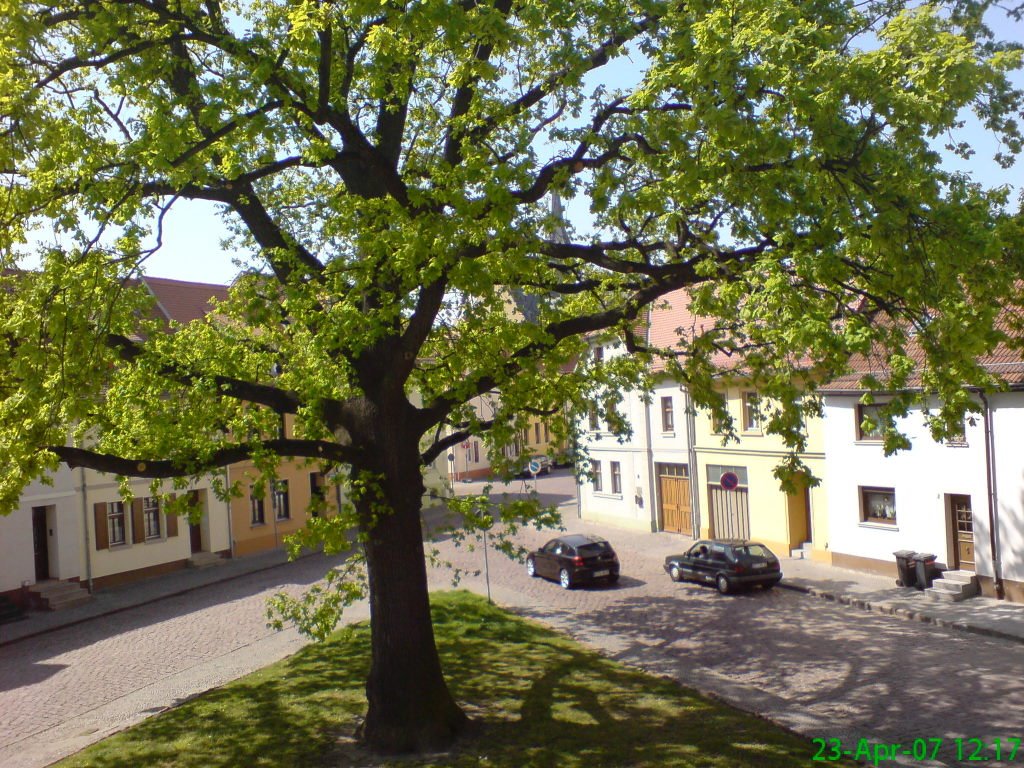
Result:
[729,481]
[534,466]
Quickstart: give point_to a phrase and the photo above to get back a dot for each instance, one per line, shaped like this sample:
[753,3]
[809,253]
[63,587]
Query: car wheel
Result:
[565,579]
[723,584]
[675,573]
[613,579]
[531,567]
[769,584]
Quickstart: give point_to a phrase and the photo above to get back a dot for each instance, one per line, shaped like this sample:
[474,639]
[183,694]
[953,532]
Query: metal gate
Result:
[674,504]
[730,514]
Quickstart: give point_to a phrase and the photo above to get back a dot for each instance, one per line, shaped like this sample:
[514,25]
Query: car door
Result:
[546,560]
[693,562]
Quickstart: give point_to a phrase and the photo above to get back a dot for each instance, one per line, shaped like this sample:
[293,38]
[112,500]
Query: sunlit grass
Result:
[539,699]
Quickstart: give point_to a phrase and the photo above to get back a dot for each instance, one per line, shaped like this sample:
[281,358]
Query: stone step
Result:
[205,560]
[802,552]
[954,591]
[9,611]
[55,595]
[68,600]
[965,577]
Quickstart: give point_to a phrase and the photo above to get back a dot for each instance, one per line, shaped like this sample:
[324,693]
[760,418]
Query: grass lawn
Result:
[540,699]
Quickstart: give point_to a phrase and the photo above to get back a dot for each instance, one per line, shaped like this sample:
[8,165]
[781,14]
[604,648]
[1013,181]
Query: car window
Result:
[754,550]
[596,548]
[552,545]
[698,550]
[718,556]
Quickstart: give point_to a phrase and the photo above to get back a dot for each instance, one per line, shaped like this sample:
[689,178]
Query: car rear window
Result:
[754,550]
[593,549]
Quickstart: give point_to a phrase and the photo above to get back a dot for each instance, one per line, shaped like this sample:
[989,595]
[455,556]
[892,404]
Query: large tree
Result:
[384,167]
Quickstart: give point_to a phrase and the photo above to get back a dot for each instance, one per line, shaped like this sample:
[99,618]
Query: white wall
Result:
[1008,437]
[921,478]
[17,562]
[634,506]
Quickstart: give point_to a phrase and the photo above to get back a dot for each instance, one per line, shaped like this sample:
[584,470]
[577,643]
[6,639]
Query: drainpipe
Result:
[227,504]
[993,498]
[652,512]
[85,529]
[691,449]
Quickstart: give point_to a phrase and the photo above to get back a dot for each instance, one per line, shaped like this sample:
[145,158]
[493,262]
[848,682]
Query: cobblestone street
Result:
[824,669]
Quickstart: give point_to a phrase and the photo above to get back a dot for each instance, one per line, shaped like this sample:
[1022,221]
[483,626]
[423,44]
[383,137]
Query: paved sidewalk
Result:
[117,599]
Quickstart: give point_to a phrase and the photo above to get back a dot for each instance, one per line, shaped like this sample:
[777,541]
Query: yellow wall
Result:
[775,518]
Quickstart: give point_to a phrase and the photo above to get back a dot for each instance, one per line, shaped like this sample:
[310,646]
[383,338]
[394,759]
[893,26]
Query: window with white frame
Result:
[668,418]
[595,422]
[282,509]
[117,533]
[595,475]
[151,516]
[751,412]
[256,507]
[616,471]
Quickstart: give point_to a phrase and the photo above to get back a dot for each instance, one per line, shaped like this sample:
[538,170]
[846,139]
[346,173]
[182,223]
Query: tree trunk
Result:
[410,707]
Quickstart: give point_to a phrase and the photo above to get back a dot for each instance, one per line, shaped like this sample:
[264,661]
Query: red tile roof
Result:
[184,301]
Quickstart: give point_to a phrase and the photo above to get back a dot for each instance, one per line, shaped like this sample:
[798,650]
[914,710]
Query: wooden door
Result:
[963,531]
[730,514]
[40,543]
[195,536]
[674,504]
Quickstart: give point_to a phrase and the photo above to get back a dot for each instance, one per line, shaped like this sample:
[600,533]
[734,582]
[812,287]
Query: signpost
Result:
[534,468]
[729,481]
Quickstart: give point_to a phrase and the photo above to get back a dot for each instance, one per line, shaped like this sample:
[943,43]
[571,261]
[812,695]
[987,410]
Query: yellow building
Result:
[750,503]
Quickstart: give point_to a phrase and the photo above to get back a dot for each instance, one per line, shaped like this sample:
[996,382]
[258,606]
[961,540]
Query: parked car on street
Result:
[726,563]
[542,461]
[575,559]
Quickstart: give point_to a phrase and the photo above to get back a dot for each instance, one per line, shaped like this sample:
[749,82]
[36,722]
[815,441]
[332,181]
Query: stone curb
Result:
[903,613]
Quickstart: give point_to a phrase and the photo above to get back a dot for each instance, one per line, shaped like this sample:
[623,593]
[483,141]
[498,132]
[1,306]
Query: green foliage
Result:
[384,169]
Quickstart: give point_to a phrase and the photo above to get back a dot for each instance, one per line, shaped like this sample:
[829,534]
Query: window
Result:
[598,354]
[878,505]
[536,432]
[594,422]
[611,415]
[715,472]
[595,475]
[668,419]
[475,448]
[526,436]
[547,434]
[317,493]
[151,516]
[671,470]
[751,412]
[616,477]
[256,504]
[872,412]
[958,439]
[116,532]
[281,508]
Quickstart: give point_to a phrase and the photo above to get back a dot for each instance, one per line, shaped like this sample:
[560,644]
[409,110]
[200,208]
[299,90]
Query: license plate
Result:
[600,573]
[760,565]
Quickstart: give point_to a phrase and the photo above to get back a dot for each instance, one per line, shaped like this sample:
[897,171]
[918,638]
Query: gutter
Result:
[85,529]
[653,512]
[691,449]
[993,498]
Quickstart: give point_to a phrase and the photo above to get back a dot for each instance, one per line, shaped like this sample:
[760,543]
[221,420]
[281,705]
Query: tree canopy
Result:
[387,166]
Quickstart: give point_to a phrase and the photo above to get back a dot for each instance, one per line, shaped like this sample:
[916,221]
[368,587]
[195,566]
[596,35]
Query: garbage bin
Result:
[906,575]
[926,570]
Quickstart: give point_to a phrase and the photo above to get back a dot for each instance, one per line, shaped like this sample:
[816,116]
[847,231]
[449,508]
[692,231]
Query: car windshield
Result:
[753,550]
[593,549]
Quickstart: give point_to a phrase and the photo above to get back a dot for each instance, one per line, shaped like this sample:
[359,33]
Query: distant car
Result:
[726,563]
[575,559]
[544,462]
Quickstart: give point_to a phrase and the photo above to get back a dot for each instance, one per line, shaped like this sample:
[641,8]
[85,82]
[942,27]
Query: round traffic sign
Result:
[534,466]
[729,481]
